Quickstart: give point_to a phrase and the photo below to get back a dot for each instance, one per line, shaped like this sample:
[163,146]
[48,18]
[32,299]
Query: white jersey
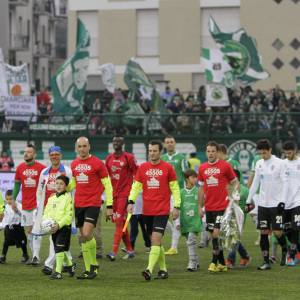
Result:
[270,174]
[292,168]
[11,217]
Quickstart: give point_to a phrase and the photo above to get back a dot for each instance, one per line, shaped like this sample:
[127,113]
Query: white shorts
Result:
[255,210]
[28,217]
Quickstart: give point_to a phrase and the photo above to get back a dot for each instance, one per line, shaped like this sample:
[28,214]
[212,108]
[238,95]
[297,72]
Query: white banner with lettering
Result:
[216,95]
[18,80]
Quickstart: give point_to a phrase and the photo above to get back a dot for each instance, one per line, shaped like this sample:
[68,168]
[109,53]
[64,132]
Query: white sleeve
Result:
[253,188]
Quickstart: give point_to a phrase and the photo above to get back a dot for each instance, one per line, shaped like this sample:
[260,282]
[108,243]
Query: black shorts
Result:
[86,214]
[213,219]
[269,217]
[156,223]
[15,235]
[291,218]
[61,239]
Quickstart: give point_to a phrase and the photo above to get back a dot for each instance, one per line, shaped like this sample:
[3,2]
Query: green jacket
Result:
[60,209]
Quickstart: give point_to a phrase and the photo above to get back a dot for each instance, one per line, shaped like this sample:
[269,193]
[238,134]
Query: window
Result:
[147,32]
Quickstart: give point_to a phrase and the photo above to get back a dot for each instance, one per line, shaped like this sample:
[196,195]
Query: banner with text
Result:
[216,95]
[17,80]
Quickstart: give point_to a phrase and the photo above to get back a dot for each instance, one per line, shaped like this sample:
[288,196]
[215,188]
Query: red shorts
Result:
[119,209]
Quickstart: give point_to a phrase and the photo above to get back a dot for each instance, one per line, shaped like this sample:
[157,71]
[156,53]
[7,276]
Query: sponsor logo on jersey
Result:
[122,163]
[116,176]
[212,181]
[82,178]
[29,182]
[153,183]
[212,171]
[83,167]
[272,168]
[154,172]
[243,151]
[30,172]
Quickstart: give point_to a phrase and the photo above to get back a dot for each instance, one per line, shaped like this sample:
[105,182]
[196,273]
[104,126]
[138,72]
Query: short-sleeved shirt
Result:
[215,178]
[88,174]
[121,169]
[179,163]
[156,189]
[29,178]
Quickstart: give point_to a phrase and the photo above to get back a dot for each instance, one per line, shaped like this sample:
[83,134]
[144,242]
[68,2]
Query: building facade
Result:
[166,37]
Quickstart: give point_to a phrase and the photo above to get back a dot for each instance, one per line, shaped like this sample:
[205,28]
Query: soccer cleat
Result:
[147,275]
[24,259]
[47,270]
[84,275]
[245,261]
[162,275]
[198,265]
[290,262]
[229,264]
[98,255]
[212,268]
[221,268]
[128,255]
[65,269]
[283,258]
[202,245]
[297,258]
[264,266]
[171,252]
[192,266]
[111,256]
[148,249]
[124,249]
[272,259]
[80,255]
[2,259]
[34,262]
[56,275]
[93,272]
[71,269]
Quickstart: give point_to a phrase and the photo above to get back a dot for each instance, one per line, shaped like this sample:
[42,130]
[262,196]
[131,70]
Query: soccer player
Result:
[14,233]
[190,222]
[213,177]
[230,261]
[60,208]
[122,167]
[157,179]
[27,175]
[45,189]
[222,154]
[269,173]
[180,164]
[90,177]
[291,190]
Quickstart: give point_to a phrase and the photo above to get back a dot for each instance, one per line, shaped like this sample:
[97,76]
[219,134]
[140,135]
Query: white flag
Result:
[18,80]
[3,80]
[216,95]
[109,76]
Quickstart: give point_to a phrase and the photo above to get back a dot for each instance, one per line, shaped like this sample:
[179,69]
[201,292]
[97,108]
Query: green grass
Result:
[123,279]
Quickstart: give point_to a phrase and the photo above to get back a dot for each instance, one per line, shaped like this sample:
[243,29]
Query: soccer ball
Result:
[46,226]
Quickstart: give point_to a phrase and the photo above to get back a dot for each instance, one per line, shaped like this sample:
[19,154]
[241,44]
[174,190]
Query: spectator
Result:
[292,100]
[264,123]
[216,125]
[106,98]
[6,162]
[43,96]
[290,129]
[167,94]
[176,95]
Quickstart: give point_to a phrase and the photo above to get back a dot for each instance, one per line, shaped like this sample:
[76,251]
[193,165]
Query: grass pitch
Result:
[123,279]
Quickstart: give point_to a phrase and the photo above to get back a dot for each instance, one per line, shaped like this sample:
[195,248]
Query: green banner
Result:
[69,83]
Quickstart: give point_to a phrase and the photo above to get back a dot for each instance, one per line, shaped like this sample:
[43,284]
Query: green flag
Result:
[137,80]
[241,53]
[69,83]
[298,83]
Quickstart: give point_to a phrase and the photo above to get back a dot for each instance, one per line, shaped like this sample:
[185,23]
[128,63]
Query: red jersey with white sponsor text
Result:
[215,178]
[29,178]
[156,189]
[50,187]
[121,169]
[88,174]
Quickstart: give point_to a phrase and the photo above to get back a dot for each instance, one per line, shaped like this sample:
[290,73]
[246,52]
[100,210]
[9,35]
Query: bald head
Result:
[83,147]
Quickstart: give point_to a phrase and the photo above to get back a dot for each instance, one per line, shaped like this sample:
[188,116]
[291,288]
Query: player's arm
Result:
[109,195]
[16,191]
[250,180]
[72,185]
[174,187]
[67,212]
[284,200]
[252,191]
[134,192]
[201,199]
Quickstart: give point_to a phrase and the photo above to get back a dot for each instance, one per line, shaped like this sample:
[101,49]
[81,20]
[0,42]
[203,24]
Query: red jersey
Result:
[29,178]
[121,169]
[87,174]
[215,178]
[50,187]
[156,189]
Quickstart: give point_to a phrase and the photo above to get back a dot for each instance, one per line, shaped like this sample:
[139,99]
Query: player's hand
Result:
[280,207]
[130,208]
[108,212]
[14,205]
[55,227]
[201,212]
[249,207]
[1,217]
[175,214]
